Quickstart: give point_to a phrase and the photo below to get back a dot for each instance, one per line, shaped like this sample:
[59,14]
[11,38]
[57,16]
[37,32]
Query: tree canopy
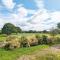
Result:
[58,25]
[9,28]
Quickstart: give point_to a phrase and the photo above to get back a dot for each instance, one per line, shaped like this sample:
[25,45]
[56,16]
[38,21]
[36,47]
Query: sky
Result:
[30,14]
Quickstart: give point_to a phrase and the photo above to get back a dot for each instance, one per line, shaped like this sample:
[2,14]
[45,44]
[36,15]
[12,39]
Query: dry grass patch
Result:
[45,54]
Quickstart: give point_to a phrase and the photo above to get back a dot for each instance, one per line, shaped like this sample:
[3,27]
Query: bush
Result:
[33,42]
[12,42]
[7,47]
[44,39]
[24,42]
[50,41]
[56,40]
[39,39]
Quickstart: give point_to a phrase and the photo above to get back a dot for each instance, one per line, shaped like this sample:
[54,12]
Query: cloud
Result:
[38,20]
[9,3]
[44,20]
[20,18]
[40,4]
[55,16]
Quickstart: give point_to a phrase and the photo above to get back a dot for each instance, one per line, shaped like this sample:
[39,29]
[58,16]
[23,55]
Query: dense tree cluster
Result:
[9,28]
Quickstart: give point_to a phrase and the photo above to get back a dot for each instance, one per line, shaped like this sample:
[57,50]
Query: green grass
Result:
[3,36]
[14,54]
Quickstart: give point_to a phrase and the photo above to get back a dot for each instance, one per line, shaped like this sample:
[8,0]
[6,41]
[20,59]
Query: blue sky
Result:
[52,5]
[30,14]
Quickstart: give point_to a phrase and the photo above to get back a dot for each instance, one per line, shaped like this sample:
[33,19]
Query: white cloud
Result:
[55,16]
[9,3]
[44,20]
[40,4]
[18,18]
[38,19]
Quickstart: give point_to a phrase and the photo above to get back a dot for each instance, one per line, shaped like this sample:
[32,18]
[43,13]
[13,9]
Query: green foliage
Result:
[44,39]
[24,42]
[15,54]
[58,25]
[56,40]
[9,28]
[18,30]
[7,47]
[53,32]
[39,39]
[50,41]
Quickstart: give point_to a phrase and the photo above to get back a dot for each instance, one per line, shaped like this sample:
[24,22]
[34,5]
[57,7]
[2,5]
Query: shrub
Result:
[39,39]
[7,47]
[12,42]
[50,41]
[56,40]
[24,42]
[44,39]
[53,40]
[33,42]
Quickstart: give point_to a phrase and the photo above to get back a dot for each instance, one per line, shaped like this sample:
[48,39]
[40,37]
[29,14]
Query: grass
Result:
[3,36]
[14,54]
[50,54]
[45,54]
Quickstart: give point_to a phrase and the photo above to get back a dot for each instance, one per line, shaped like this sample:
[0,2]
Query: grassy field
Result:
[40,52]
[3,37]
[16,53]
[13,55]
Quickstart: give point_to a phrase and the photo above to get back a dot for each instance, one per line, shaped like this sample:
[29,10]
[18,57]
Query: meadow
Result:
[15,54]
[3,36]
[39,52]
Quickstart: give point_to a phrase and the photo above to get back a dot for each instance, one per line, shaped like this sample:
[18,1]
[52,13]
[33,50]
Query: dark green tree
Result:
[58,25]
[18,30]
[9,28]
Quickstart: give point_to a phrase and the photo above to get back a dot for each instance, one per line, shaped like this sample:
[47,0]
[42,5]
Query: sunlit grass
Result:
[14,54]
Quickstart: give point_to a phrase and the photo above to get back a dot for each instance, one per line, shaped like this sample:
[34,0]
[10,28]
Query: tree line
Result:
[9,28]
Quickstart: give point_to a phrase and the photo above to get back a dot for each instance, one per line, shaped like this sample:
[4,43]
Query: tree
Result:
[53,32]
[58,25]
[18,30]
[44,31]
[9,28]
